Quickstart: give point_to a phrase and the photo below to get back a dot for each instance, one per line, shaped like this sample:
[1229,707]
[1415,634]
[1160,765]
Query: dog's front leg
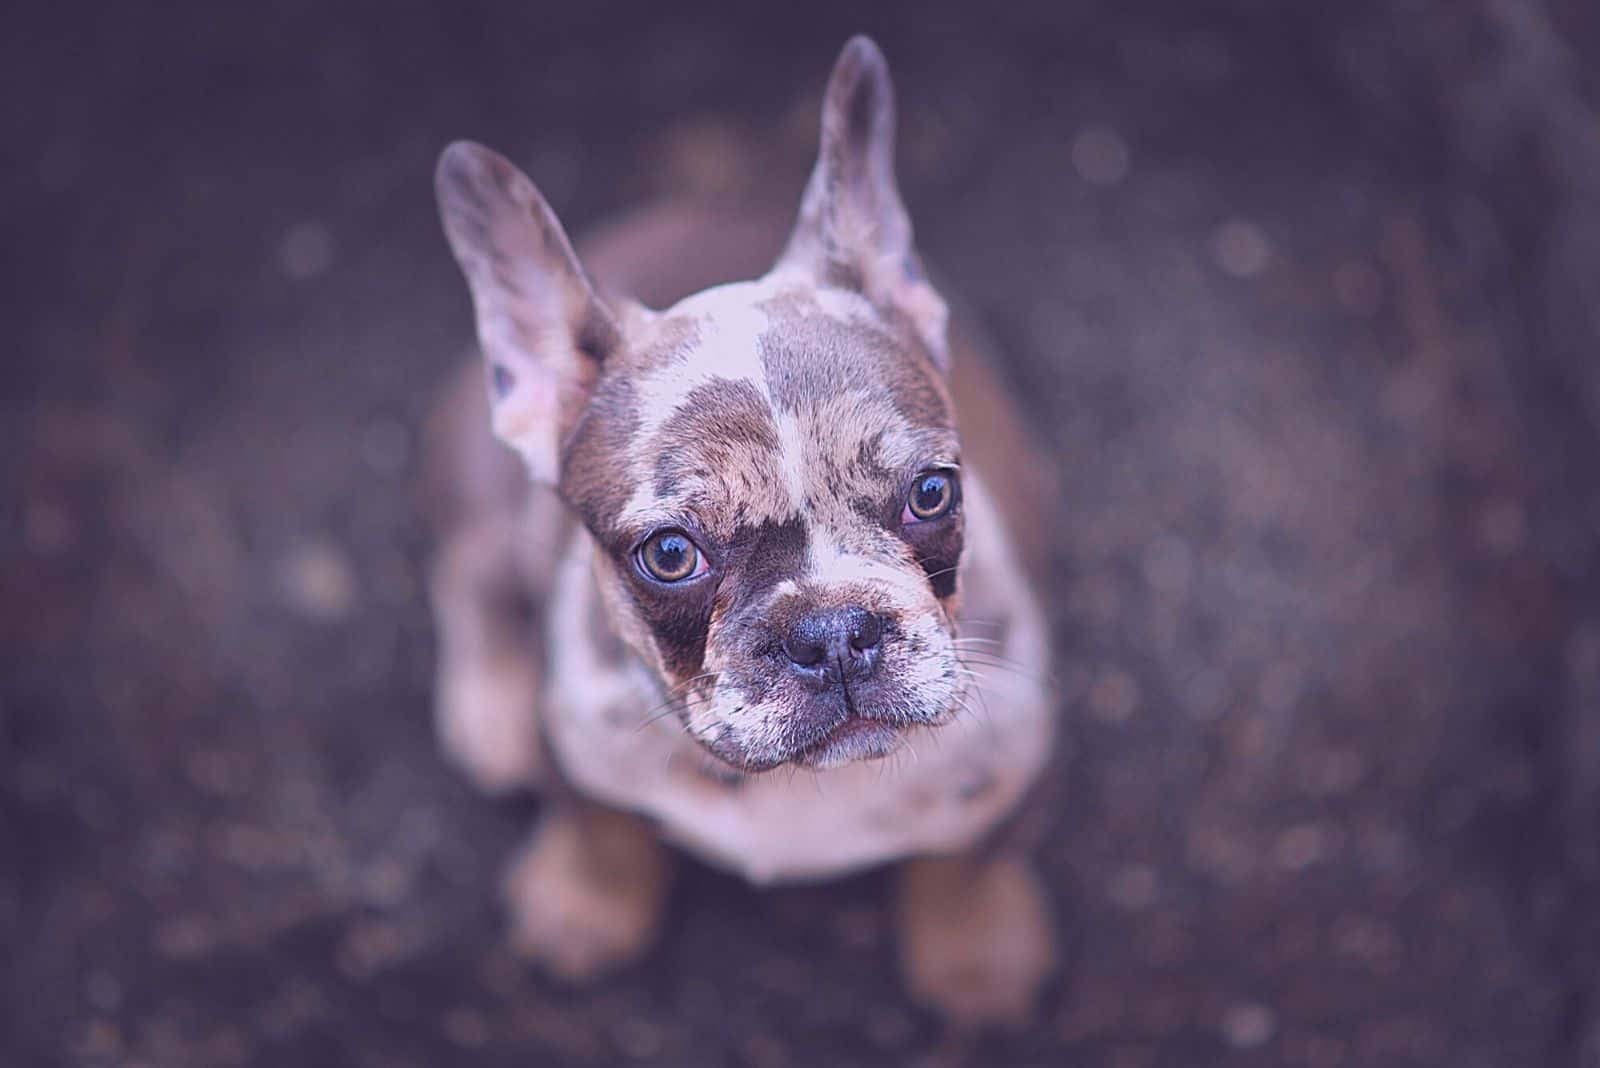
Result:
[586,893]
[487,679]
[976,935]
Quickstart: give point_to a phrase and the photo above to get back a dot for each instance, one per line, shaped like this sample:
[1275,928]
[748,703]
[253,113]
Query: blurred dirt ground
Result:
[1307,302]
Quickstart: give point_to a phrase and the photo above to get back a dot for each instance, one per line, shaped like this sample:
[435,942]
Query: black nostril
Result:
[865,630]
[804,651]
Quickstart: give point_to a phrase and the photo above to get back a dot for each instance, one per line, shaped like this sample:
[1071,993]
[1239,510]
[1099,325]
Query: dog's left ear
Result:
[544,331]
[853,230]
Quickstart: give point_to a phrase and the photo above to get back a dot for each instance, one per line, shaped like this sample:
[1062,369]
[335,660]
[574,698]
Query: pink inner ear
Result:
[541,327]
[531,417]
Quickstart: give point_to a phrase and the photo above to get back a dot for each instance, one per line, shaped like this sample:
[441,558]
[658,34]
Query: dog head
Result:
[770,469]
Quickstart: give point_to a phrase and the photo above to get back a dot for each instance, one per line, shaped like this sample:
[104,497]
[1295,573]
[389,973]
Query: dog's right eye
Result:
[671,556]
[932,496]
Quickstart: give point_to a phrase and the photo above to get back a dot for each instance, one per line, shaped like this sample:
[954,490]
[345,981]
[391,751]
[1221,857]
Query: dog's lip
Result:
[856,738]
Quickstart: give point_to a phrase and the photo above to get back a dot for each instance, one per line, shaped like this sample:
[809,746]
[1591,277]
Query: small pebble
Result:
[1248,1025]
[765,1051]
[857,928]
[306,250]
[638,1038]
[386,446]
[1166,565]
[1301,846]
[1100,156]
[1280,686]
[890,1029]
[1132,1057]
[1502,526]
[317,581]
[1113,697]
[466,1027]
[47,529]
[184,938]
[103,991]
[1206,694]
[1358,287]
[60,165]
[1133,888]
[1240,248]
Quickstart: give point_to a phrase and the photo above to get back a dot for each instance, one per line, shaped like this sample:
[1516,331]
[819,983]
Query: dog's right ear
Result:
[853,229]
[543,330]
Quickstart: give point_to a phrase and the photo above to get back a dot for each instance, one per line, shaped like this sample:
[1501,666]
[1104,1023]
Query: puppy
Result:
[738,583]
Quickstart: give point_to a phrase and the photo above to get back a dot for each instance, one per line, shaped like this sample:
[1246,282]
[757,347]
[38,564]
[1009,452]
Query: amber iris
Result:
[669,556]
[932,495]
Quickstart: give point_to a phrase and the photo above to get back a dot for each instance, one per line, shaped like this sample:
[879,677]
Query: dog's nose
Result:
[842,640]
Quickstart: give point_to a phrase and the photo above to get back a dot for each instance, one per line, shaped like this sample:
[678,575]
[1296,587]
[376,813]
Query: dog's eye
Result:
[933,494]
[671,556]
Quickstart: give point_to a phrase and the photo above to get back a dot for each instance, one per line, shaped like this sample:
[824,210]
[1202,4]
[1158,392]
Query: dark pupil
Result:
[931,493]
[671,554]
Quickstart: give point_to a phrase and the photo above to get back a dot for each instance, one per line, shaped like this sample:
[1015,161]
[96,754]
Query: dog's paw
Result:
[976,939]
[585,895]
[487,719]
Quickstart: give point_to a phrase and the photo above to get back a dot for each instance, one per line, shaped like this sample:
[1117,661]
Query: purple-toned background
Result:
[1307,301]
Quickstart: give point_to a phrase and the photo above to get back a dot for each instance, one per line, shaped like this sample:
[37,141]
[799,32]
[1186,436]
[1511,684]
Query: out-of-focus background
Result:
[1306,298]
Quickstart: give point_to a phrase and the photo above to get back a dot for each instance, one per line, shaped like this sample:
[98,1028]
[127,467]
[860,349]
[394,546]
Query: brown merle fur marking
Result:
[718,449]
[809,354]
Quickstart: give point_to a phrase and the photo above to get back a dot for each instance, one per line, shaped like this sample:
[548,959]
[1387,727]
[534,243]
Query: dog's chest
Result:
[940,794]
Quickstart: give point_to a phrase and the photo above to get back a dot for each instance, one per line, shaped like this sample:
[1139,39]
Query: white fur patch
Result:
[791,442]
[830,565]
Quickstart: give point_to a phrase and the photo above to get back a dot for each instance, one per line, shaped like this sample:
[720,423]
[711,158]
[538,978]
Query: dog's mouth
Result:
[857,738]
[855,721]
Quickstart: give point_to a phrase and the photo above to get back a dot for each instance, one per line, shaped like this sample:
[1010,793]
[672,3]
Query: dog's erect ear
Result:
[543,331]
[853,229]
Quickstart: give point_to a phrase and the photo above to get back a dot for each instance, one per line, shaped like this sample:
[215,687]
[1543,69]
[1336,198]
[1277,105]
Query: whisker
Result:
[675,693]
[907,746]
[978,692]
[965,709]
[670,708]
[1006,684]
[1000,663]
[969,645]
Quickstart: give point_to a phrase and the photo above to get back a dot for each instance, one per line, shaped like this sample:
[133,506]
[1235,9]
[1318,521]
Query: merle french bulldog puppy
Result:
[737,537]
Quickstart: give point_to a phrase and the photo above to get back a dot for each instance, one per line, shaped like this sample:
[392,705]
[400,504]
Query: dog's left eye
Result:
[932,496]
[671,556]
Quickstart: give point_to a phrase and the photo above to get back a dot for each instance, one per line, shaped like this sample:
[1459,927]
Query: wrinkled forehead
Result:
[751,404]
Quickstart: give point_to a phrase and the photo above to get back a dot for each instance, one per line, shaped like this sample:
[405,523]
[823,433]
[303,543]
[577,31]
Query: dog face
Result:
[775,486]
[770,469]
